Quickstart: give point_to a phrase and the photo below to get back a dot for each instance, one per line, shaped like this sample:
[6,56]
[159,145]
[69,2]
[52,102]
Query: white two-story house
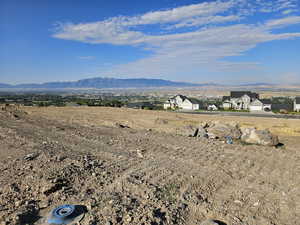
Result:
[239,100]
[182,102]
[297,104]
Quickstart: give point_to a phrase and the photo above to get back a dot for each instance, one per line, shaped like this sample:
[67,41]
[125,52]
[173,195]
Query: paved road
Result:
[268,115]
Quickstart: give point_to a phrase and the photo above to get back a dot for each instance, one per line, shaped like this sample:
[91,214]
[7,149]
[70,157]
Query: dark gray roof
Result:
[254,95]
[266,101]
[238,94]
[181,96]
[194,101]
[224,98]
[297,100]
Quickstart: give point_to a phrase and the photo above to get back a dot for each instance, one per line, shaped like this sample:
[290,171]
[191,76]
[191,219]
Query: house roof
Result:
[225,98]
[181,96]
[257,102]
[194,101]
[297,100]
[254,95]
[238,94]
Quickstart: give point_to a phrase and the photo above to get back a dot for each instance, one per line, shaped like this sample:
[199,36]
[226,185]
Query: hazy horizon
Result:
[208,83]
[223,41]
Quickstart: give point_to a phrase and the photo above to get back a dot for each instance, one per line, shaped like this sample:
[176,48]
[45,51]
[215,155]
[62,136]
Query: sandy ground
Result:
[145,174]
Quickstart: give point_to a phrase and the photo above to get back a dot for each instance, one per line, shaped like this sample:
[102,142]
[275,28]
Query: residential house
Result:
[182,102]
[212,107]
[226,102]
[297,104]
[260,105]
[267,104]
[239,100]
[167,105]
[174,102]
[190,104]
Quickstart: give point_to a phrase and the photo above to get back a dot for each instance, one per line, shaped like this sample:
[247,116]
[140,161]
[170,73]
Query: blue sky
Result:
[225,41]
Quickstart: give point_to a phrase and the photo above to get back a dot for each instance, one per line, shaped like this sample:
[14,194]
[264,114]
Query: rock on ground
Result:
[189,131]
[222,130]
[260,137]
[202,133]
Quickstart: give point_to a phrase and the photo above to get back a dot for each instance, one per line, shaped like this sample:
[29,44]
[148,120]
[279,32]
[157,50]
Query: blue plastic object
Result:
[229,140]
[63,214]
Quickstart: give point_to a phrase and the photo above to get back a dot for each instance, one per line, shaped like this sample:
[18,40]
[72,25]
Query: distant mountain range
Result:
[105,83]
[100,82]
[5,85]
[256,84]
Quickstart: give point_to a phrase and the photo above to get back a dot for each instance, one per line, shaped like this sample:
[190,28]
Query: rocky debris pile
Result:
[230,132]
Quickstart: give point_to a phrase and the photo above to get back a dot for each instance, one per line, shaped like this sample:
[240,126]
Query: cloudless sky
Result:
[183,40]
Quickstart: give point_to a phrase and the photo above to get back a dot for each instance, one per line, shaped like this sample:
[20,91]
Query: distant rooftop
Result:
[225,98]
[194,101]
[181,96]
[238,94]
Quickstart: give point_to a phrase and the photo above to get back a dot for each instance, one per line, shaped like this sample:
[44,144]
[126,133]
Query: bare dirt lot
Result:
[144,174]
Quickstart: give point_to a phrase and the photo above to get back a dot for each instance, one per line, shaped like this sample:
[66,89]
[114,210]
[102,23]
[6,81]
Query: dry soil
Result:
[144,174]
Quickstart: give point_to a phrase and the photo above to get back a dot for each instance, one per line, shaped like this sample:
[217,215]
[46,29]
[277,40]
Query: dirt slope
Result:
[141,176]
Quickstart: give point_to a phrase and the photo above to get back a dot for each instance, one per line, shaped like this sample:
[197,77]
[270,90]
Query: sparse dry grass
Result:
[146,119]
